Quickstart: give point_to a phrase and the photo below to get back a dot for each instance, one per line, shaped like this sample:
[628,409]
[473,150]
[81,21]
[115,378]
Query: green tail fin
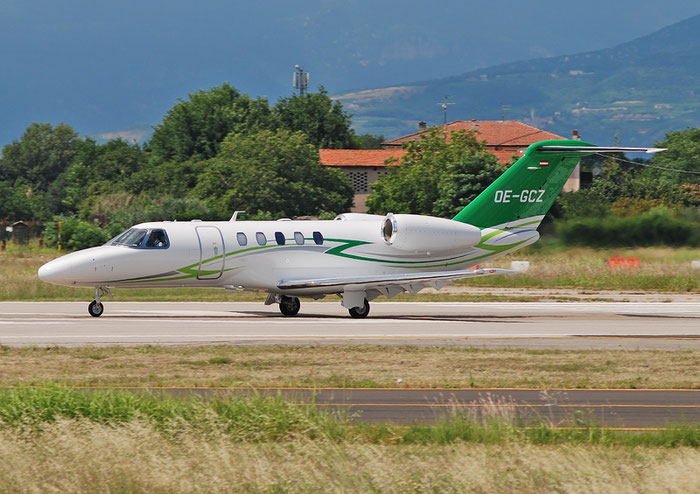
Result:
[525,192]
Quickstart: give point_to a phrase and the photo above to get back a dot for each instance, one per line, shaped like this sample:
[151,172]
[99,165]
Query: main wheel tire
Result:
[95,309]
[289,306]
[360,312]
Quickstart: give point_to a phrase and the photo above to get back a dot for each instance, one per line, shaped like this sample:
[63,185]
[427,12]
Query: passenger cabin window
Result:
[260,237]
[318,238]
[242,239]
[279,237]
[157,239]
[299,238]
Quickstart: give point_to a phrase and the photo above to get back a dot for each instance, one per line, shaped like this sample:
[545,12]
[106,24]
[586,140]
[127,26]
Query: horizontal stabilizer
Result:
[598,149]
[388,279]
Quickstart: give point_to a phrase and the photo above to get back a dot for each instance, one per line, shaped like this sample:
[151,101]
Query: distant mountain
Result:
[115,68]
[632,93]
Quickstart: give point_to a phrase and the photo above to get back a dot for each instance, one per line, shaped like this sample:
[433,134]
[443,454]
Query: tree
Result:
[683,153]
[196,128]
[40,156]
[465,179]
[275,172]
[15,204]
[436,176]
[320,118]
[101,169]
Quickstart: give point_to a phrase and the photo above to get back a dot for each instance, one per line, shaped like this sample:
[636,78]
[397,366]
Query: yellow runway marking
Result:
[490,405]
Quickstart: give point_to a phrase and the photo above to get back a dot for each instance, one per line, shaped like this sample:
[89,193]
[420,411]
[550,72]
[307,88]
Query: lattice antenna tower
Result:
[300,80]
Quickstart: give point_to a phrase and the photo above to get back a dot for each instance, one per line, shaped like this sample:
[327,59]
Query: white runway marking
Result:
[33,323]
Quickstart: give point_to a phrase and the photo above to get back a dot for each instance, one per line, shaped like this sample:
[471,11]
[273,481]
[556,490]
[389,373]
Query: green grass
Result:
[255,418]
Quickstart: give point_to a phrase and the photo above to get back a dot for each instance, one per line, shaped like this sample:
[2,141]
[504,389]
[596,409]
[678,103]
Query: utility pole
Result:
[300,80]
[444,109]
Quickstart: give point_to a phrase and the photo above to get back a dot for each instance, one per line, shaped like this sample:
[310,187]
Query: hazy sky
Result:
[102,66]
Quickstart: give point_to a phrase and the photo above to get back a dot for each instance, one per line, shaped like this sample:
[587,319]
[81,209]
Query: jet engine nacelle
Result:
[416,233]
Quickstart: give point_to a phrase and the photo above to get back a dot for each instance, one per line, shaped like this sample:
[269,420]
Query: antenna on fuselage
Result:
[235,215]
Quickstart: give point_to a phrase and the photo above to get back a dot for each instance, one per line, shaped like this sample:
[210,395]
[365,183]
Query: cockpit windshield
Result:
[142,238]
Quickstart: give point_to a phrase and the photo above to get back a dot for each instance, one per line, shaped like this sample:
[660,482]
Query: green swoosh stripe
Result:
[192,270]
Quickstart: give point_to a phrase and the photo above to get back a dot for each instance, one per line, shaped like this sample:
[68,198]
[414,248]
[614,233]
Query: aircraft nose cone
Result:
[47,273]
[56,271]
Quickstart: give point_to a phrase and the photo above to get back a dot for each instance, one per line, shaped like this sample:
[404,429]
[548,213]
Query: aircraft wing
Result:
[411,282]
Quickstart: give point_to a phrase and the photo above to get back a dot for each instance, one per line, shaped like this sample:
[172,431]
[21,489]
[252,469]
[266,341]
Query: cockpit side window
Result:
[157,240]
[141,238]
[133,237]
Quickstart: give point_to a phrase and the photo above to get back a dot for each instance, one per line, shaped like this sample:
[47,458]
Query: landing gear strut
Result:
[359,312]
[96,308]
[289,306]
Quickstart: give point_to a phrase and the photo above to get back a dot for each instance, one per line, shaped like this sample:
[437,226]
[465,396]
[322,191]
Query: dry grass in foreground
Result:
[348,366]
[78,456]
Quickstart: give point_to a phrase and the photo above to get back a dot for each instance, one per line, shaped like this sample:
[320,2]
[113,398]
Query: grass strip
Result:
[271,419]
[349,366]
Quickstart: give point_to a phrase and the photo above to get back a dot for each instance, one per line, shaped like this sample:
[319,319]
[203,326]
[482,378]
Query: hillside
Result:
[115,68]
[632,93]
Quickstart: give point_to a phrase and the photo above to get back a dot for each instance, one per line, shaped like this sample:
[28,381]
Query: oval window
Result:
[279,237]
[299,238]
[260,237]
[318,238]
[242,239]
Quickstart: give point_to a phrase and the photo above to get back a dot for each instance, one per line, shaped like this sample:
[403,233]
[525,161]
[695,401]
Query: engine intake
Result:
[416,233]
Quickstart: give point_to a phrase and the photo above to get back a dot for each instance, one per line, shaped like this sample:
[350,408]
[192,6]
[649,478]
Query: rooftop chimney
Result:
[422,126]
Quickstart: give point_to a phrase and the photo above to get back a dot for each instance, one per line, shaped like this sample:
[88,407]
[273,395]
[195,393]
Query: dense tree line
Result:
[221,150]
[652,202]
[218,151]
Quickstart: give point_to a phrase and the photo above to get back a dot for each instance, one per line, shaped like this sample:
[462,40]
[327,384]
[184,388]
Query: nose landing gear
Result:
[96,308]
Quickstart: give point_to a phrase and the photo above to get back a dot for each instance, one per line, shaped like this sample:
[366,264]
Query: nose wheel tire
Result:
[289,306]
[360,312]
[95,309]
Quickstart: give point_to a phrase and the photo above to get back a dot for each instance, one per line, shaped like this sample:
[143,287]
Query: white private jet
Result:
[358,256]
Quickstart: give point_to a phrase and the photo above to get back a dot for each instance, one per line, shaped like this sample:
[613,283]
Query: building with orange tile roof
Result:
[497,135]
[506,140]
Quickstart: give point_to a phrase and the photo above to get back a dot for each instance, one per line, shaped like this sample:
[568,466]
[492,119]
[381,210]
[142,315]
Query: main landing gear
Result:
[96,307]
[289,306]
[359,312]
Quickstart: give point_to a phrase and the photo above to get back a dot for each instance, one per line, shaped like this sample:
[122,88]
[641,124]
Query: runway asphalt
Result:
[565,325]
[619,409]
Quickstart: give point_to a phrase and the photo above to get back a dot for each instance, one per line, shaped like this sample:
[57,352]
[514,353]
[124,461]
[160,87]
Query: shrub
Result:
[634,206]
[75,234]
[655,227]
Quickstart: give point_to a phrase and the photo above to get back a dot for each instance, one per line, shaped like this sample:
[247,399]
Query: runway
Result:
[619,409]
[565,325]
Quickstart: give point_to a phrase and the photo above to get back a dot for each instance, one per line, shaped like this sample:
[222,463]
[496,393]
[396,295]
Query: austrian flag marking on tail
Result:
[544,163]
